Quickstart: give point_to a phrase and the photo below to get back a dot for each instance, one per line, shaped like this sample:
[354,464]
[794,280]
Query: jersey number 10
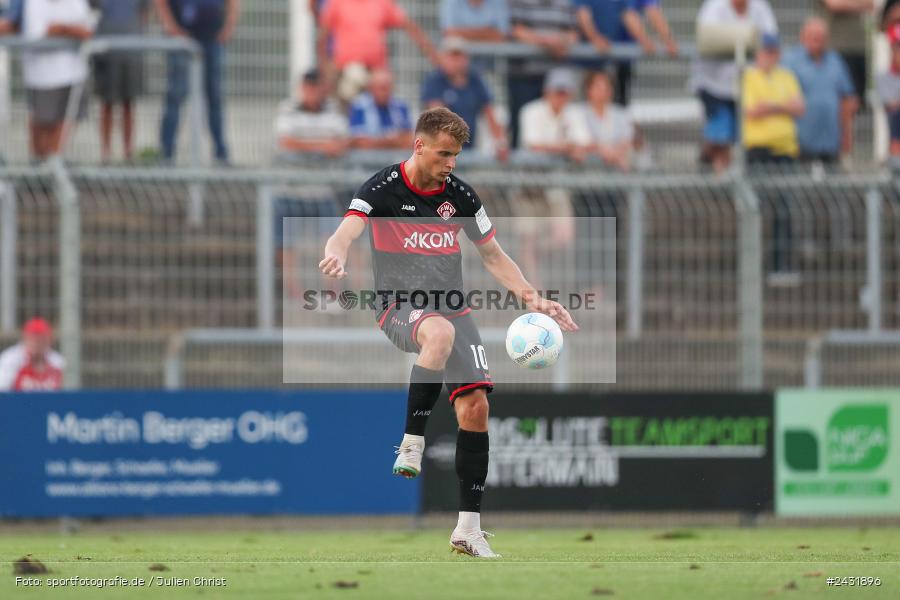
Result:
[480,357]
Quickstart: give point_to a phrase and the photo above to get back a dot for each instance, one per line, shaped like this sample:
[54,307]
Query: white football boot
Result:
[409,456]
[472,542]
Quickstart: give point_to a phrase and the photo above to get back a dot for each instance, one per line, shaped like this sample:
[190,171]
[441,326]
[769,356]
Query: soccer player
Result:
[416,209]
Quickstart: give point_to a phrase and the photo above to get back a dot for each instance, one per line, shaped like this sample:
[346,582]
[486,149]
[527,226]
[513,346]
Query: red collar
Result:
[417,190]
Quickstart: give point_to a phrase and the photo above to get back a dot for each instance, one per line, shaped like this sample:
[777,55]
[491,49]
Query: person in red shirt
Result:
[358,33]
[32,365]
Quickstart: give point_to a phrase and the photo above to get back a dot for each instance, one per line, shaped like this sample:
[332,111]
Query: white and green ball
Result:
[534,341]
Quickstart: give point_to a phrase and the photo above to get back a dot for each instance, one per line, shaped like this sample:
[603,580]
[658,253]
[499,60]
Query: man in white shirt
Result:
[51,75]
[310,124]
[308,129]
[552,125]
[32,365]
[550,128]
[715,79]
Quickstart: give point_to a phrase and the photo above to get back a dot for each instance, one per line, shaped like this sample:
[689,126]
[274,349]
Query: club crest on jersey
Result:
[414,315]
[446,211]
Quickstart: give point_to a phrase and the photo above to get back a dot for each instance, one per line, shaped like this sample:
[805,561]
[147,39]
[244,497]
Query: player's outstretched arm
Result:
[508,273]
[339,244]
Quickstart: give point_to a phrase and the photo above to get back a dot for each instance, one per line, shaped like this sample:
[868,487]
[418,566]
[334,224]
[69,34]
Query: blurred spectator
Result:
[461,88]
[887,84]
[475,20]
[551,26]
[890,14]
[378,119]
[846,19]
[607,22]
[551,127]
[6,19]
[652,11]
[310,128]
[826,128]
[325,40]
[32,365]
[552,124]
[10,13]
[715,79]
[602,25]
[11,16]
[358,32]
[210,23]
[608,125]
[310,123]
[771,101]
[50,75]
[118,75]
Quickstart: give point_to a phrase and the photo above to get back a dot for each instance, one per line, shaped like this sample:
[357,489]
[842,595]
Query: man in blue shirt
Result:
[13,12]
[826,128]
[211,24]
[607,22]
[461,89]
[378,119]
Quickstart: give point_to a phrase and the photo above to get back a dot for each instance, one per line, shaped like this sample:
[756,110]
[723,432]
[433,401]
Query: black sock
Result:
[471,468]
[424,390]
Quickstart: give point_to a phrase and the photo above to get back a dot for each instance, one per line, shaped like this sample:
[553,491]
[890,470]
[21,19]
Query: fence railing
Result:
[718,282]
[864,346]
[311,341]
[8,231]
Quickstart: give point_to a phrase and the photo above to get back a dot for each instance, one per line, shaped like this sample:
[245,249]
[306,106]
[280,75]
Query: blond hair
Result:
[437,120]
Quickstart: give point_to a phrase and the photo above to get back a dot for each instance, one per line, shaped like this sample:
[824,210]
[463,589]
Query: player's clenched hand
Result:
[556,311]
[332,266]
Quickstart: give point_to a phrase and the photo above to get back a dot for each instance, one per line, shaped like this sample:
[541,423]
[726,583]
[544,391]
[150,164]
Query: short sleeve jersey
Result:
[414,235]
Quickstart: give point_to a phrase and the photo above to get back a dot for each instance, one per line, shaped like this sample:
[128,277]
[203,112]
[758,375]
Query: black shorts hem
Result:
[470,387]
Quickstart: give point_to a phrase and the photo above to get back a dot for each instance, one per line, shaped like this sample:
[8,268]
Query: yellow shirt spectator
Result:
[775,132]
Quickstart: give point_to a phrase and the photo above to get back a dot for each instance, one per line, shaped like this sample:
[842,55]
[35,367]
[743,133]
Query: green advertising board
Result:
[837,452]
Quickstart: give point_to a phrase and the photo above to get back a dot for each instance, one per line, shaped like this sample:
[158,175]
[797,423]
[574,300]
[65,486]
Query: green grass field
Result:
[538,563]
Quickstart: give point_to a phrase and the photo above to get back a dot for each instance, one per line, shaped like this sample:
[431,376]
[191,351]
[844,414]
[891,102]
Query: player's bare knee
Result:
[472,411]
[437,338]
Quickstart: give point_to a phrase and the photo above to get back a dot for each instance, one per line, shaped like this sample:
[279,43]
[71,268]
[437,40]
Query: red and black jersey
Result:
[414,235]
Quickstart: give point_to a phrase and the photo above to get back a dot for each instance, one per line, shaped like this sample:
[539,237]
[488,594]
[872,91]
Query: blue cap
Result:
[770,41]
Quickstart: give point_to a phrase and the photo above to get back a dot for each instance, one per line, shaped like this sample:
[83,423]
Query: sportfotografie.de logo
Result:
[439,300]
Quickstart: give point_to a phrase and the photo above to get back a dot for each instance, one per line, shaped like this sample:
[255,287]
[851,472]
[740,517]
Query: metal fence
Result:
[126,259]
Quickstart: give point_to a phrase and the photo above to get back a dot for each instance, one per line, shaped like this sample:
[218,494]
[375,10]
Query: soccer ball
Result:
[534,341]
